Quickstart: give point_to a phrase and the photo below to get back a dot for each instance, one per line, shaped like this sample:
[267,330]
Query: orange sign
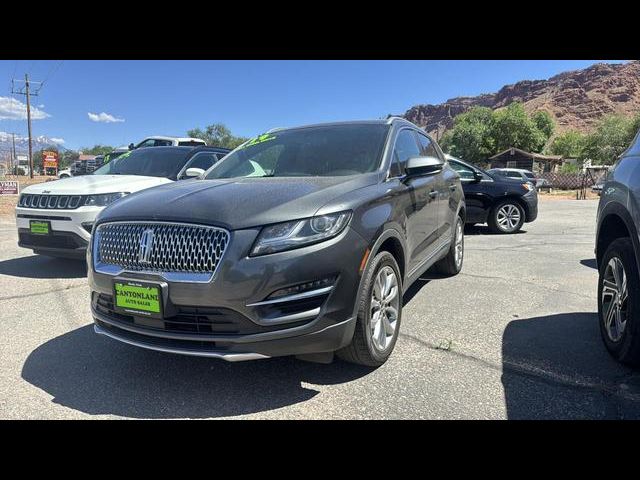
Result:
[50,159]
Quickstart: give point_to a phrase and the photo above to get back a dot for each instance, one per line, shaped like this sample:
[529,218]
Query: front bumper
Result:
[68,235]
[231,317]
[531,206]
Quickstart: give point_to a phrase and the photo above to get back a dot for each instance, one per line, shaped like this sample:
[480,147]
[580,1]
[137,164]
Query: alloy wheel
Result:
[459,245]
[508,217]
[385,303]
[614,299]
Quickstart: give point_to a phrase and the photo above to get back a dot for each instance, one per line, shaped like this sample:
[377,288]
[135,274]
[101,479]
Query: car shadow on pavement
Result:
[556,367]
[99,376]
[485,230]
[589,262]
[40,266]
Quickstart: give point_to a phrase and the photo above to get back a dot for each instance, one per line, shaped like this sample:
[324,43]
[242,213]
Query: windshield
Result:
[150,162]
[332,150]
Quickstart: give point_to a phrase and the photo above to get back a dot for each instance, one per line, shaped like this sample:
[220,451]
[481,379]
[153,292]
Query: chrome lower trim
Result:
[438,249]
[294,317]
[296,296]
[229,357]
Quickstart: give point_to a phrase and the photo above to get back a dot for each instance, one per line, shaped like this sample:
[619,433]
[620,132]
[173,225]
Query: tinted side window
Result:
[202,160]
[147,143]
[405,148]
[163,143]
[464,171]
[427,148]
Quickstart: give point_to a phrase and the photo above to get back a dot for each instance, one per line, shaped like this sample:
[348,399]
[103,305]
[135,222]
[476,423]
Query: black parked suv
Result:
[301,241]
[618,257]
[504,203]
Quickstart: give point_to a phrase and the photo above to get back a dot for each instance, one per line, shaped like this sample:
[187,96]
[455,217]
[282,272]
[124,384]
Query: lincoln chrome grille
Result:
[160,247]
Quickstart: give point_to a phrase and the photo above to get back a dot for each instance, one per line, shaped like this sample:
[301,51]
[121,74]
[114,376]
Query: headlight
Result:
[528,186]
[299,233]
[103,200]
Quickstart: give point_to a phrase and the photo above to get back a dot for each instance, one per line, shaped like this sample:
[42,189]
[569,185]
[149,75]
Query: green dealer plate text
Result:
[39,228]
[137,298]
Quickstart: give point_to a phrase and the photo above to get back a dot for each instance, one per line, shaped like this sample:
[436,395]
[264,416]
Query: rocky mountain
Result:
[577,99]
[22,144]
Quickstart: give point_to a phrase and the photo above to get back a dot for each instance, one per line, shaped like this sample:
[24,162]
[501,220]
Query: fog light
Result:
[303,287]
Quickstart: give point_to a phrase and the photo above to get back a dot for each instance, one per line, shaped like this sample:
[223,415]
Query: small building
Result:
[534,162]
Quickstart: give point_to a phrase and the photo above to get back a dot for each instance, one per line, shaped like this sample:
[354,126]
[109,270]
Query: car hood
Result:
[235,203]
[95,184]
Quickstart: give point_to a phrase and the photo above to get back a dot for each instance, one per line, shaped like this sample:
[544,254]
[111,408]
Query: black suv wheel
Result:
[506,216]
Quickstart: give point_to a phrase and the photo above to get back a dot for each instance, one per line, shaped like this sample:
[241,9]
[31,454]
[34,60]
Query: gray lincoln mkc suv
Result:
[299,242]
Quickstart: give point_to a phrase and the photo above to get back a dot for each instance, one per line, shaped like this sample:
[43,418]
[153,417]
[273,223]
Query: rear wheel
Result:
[506,217]
[619,302]
[452,263]
[379,314]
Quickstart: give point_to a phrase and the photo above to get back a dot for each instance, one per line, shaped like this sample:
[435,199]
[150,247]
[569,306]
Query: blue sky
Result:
[170,97]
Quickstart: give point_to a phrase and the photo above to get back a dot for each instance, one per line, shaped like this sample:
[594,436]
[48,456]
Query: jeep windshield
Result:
[333,150]
[148,162]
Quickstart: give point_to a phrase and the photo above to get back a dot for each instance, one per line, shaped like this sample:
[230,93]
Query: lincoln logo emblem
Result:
[146,245]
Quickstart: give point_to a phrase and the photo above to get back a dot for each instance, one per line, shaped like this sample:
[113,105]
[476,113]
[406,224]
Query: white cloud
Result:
[14,109]
[57,141]
[103,118]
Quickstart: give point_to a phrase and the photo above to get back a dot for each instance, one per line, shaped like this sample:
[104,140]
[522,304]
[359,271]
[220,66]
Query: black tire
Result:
[495,227]
[361,350]
[627,348]
[448,265]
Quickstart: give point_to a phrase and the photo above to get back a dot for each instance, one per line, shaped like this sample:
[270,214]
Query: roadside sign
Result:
[50,159]
[9,187]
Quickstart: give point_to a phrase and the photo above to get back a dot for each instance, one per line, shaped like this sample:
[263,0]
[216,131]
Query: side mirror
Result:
[477,177]
[418,166]
[193,172]
[131,146]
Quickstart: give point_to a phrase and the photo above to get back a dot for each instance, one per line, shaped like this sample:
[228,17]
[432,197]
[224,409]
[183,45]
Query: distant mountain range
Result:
[576,99]
[22,144]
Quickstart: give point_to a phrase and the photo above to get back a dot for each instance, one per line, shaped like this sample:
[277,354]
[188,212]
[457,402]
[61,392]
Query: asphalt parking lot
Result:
[515,335]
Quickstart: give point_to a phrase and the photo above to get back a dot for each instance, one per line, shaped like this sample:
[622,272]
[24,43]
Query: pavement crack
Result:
[611,389]
[497,277]
[37,294]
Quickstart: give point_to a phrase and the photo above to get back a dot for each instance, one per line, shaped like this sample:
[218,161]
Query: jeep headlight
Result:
[299,233]
[103,200]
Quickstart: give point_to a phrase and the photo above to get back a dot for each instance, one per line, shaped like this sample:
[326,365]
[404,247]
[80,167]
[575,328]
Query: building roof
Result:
[535,156]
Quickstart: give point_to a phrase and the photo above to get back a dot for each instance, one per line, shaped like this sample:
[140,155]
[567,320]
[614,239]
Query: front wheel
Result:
[379,314]
[506,217]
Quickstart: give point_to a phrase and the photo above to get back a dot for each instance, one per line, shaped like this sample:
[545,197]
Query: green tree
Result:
[569,144]
[512,127]
[545,123]
[217,135]
[471,137]
[97,150]
[611,137]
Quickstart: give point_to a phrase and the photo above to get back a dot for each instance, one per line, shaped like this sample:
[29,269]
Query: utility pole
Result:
[14,158]
[26,92]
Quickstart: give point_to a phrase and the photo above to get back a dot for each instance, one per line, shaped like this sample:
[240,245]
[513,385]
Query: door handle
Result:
[433,193]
